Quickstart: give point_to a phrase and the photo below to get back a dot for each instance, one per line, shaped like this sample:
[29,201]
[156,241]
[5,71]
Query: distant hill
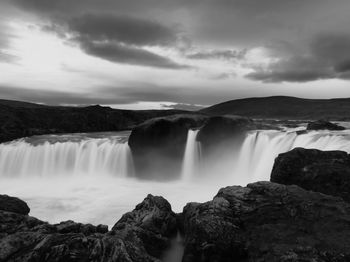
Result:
[21,119]
[13,103]
[284,107]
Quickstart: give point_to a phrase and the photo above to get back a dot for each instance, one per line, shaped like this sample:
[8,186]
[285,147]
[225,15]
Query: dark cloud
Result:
[219,54]
[124,29]
[242,22]
[223,76]
[69,6]
[120,53]
[327,56]
[51,97]
[119,39]
[333,49]
[120,30]
[343,66]
[296,69]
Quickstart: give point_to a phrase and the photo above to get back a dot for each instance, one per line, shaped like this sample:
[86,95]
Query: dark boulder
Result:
[323,125]
[158,144]
[222,132]
[152,221]
[153,214]
[140,235]
[13,204]
[301,132]
[327,172]
[267,222]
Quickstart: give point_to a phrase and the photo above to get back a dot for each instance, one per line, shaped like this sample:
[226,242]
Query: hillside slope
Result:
[284,107]
[21,119]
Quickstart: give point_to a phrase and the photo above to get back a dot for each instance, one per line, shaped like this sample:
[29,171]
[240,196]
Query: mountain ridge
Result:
[284,107]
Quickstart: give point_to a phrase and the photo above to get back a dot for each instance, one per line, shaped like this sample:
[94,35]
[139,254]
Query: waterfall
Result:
[87,156]
[260,148]
[191,155]
[254,160]
[108,154]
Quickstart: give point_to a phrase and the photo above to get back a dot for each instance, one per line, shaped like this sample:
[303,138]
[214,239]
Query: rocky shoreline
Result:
[303,217]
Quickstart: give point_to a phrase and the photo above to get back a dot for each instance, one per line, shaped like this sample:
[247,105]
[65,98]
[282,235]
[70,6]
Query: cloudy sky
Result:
[172,53]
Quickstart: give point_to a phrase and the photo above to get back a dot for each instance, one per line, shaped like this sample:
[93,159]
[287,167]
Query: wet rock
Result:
[158,144]
[153,214]
[222,132]
[140,235]
[152,222]
[327,172]
[301,132]
[220,128]
[267,222]
[13,204]
[323,125]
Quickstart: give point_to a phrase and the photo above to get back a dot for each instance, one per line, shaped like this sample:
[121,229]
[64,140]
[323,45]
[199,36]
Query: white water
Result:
[192,156]
[87,177]
[260,148]
[253,161]
[90,156]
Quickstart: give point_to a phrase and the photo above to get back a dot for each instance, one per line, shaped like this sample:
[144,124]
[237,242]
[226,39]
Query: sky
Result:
[172,53]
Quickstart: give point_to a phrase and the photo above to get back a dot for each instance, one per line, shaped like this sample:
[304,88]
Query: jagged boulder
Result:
[267,222]
[158,144]
[140,235]
[152,221]
[13,204]
[323,125]
[327,172]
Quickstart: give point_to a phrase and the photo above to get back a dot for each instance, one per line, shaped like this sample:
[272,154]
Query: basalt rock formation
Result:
[324,125]
[219,130]
[13,204]
[261,222]
[327,172]
[158,144]
[264,221]
[140,235]
[267,222]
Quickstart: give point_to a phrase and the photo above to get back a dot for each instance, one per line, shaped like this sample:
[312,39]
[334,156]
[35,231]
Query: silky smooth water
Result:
[90,177]
[192,156]
[67,155]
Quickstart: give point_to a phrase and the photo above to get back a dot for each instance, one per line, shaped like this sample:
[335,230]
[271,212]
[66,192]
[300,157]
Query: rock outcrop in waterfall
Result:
[327,172]
[158,145]
[324,125]
[219,130]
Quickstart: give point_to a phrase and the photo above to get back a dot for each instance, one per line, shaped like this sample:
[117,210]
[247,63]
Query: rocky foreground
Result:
[264,221]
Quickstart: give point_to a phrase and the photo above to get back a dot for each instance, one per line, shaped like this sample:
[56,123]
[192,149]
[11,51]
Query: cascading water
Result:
[191,156]
[91,156]
[86,177]
[260,148]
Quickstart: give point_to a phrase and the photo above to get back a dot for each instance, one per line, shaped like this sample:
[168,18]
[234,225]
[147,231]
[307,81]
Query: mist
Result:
[92,179]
